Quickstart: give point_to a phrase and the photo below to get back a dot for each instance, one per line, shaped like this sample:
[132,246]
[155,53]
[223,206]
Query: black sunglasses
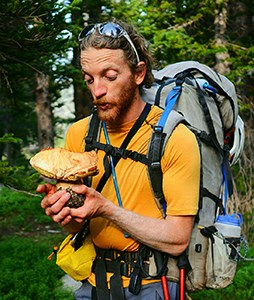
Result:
[110,29]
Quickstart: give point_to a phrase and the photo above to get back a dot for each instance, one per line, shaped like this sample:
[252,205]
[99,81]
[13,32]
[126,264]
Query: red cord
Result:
[164,284]
[182,284]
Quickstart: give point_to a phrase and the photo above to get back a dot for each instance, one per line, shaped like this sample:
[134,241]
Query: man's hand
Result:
[54,203]
[95,204]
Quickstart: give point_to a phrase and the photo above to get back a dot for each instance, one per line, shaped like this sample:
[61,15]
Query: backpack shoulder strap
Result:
[156,149]
[94,129]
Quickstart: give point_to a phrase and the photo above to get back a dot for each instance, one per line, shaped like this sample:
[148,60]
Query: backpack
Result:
[206,101]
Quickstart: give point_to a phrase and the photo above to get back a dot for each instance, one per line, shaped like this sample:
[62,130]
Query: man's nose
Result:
[99,89]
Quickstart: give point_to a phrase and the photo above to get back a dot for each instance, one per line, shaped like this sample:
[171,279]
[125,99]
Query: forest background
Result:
[39,63]
[39,66]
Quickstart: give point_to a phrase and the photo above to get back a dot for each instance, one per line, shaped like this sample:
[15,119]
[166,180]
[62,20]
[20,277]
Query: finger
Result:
[78,220]
[80,189]
[63,216]
[50,199]
[46,188]
[54,203]
[65,221]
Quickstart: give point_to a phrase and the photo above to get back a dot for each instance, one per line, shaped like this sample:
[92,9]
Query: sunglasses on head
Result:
[110,29]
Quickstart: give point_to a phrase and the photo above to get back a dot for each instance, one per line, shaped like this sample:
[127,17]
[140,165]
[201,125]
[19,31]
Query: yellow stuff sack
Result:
[76,263]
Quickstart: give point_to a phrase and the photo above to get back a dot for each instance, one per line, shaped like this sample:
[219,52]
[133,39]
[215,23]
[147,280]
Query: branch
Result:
[185,24]
[21,62]
[23,192]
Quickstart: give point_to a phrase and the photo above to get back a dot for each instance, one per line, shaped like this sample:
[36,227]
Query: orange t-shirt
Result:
[181,173]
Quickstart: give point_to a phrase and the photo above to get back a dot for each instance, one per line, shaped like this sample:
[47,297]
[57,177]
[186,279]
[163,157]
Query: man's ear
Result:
[140,72]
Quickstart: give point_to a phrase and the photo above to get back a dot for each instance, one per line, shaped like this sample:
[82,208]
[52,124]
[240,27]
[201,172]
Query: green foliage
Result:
[34,38]
[184,30]
[19,211]
[9,138]
[25,272]
[24,246]
[19,177]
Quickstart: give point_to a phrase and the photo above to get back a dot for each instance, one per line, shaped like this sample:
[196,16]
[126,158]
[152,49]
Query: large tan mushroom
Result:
[67,168]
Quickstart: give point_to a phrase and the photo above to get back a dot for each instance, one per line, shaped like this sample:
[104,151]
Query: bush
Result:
[25,244]
[25,272]
[20,212]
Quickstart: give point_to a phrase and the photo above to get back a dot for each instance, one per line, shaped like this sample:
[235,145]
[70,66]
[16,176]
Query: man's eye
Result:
[111,78]
[89,81]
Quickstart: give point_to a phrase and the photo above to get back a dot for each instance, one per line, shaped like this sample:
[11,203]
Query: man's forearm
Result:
[170,235]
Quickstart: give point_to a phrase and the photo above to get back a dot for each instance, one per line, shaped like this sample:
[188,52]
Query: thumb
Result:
[80,189]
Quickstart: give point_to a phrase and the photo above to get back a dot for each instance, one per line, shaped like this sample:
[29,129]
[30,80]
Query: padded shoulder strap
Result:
[94,129]
[173,120]
[156,149]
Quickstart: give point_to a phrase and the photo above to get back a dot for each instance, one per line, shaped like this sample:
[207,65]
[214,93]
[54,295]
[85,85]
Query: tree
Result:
[44,112]
[90,12]
[220,25]
[29,49]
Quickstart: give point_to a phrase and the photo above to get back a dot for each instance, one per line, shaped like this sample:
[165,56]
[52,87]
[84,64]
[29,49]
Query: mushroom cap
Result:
[61,164]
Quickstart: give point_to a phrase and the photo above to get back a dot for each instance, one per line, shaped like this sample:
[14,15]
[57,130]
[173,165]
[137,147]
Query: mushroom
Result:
[67,168]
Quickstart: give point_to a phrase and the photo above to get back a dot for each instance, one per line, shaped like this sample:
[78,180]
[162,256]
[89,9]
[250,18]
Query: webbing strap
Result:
[102,291]
[209,121]
[154,169]
[125,143]
[215,199]
[156,149]
[116,287]
[93,130]
[158,93]
[214,139]
[171,99]
[228,176]
[157,143]
[118,153]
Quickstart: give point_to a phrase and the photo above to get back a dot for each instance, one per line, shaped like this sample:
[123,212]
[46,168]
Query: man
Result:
[123,216]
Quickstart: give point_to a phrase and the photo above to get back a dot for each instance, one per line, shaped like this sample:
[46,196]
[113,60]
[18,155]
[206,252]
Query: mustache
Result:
[100,101]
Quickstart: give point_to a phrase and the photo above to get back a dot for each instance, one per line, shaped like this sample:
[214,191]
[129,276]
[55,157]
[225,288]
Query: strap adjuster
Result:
[157,129]
[155,166]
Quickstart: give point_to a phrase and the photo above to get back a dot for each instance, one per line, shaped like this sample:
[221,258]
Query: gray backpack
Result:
[208,102]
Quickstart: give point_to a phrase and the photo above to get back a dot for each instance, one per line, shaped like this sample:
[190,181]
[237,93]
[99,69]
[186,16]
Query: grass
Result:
[27,237]
[26,273]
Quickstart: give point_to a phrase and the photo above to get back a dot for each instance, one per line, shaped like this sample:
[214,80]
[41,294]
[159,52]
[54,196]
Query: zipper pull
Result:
[55,249]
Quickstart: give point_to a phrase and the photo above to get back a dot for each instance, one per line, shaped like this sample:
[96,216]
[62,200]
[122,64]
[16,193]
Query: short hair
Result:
[95,40]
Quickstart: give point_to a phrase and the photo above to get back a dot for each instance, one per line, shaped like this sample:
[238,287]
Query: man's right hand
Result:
[54,203]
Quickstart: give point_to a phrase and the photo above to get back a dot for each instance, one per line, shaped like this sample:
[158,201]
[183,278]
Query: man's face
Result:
[111,83]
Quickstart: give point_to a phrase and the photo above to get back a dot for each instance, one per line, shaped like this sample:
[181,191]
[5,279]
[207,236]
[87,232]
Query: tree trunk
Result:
[82,97]
[44,111]
[220,23]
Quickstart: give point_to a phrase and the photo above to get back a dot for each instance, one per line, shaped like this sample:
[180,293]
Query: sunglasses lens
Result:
[107,29]
[110,29]
[86,32]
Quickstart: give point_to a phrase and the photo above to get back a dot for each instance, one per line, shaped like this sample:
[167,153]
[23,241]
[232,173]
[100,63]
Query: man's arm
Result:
[169,235]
